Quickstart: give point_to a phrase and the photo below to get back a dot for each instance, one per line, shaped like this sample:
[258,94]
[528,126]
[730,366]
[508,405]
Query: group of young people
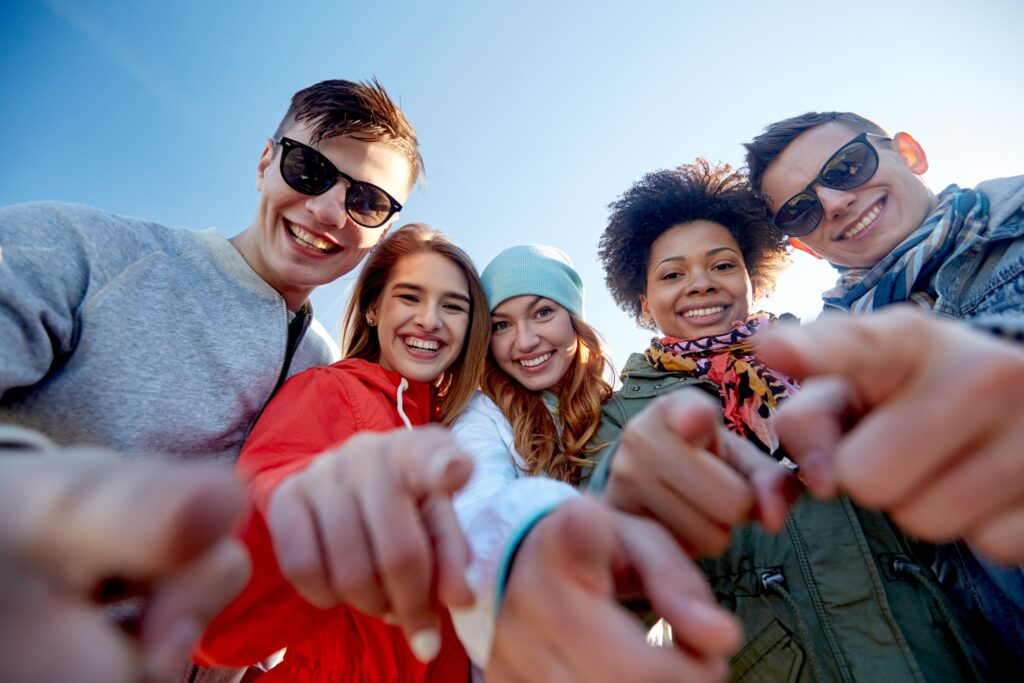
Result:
[465,494]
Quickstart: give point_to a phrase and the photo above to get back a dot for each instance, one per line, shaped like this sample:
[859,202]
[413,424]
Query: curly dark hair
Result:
[667,198]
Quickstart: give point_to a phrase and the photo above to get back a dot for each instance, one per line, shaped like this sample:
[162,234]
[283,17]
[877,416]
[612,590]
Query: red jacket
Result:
[315,411]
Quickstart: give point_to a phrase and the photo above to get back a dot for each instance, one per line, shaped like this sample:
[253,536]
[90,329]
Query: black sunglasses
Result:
[310,172]
[852,166]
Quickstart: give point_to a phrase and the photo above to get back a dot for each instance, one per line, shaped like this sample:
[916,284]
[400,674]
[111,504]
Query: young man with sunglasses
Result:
[131,335]
[145,339]
[942,404]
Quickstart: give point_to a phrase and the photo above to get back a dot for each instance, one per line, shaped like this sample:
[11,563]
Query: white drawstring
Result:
[402,386]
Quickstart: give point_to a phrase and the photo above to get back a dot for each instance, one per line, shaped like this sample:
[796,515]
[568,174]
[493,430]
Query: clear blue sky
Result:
[532,117]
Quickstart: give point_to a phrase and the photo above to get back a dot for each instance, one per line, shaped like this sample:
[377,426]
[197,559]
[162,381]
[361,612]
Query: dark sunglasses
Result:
[310,172]
[852,166]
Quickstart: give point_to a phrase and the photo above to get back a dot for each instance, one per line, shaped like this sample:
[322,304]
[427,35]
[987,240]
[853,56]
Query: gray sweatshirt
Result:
[131,335]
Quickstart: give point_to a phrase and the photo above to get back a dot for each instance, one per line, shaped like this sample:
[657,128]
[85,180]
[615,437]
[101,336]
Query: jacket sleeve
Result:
[496,510]
[310,414]
[613,421]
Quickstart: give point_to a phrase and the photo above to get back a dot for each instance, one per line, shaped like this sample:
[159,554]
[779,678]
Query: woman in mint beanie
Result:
[544,384]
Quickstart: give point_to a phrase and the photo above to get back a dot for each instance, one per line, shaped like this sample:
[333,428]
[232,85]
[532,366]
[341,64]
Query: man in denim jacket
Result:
[845,190]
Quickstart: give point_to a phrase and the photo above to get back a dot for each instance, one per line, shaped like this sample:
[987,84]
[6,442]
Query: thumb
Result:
[448,467]
[449,470]
[696,418]
[430,461]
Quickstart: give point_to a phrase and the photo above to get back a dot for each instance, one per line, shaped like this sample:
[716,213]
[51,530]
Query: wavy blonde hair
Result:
[458,382]
[581,392]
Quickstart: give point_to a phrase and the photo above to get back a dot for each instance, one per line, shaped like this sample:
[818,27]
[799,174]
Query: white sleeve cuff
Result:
[495,532]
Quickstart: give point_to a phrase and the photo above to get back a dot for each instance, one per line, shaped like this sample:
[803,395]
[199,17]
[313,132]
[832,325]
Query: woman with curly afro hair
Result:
[685,252]
[667,199]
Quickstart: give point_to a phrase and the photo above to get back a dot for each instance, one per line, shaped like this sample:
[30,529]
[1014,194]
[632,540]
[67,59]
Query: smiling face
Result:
[422,316]
[697,283]
[298,242]
[533,340]
[859,226]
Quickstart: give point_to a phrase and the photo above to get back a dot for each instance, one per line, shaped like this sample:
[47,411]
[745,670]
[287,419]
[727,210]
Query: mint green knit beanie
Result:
[533,269]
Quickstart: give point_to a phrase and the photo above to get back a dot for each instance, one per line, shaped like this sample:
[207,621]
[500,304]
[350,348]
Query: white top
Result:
[496,509]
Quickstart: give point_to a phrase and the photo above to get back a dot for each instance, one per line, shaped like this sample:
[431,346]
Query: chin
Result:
[419,375]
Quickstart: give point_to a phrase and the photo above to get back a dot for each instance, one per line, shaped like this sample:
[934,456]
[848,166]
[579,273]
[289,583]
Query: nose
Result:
[701,282]
[526,338]
[428,317]
[329,208]
[834,202]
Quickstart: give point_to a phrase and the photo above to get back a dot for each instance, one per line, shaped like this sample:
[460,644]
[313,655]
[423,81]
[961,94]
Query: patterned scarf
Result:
[908,272]
[749,391]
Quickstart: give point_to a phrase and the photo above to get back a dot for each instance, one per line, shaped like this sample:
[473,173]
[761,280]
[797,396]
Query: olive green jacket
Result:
[839,595]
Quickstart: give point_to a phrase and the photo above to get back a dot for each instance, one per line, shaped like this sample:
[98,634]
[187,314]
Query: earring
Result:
[370,321]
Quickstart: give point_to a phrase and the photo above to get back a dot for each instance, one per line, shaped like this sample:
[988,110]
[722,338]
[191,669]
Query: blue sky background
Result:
[532,116]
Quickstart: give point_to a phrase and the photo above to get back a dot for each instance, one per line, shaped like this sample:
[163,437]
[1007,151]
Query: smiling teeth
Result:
[309,239]
[533,362]
[424,344]
[863,222]
[700,312]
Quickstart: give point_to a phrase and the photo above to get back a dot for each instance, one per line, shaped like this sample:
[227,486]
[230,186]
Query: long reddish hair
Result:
[458,382]
[581,392]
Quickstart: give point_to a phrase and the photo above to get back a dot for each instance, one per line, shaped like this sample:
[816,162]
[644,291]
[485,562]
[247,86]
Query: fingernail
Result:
[171,652]
[437,467]
[426,644]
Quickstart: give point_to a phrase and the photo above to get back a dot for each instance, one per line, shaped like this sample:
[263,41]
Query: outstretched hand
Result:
[73,521]
[561,620]
[371,524]
[916,415]
[677,464]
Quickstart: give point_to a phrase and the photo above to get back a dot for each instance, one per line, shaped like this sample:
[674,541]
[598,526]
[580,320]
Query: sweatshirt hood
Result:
[417,397]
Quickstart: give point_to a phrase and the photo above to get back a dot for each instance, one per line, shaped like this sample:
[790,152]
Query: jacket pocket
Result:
[772,656]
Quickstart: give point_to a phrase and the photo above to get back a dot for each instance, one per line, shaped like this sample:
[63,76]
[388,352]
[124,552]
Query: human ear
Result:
[372,318]
[261,166]
[645,311]
[911,150]
[800,246]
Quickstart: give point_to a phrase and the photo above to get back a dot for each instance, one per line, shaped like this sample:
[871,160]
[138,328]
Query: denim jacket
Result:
[983,276]
[983,282]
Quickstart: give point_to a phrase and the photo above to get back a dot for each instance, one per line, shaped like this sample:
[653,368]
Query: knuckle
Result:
[355,583]
[623,470]
[998,547]
[632,446]
[868,490]
[302,574]
[737,507]
[405,561]
[919,526]
[716,541]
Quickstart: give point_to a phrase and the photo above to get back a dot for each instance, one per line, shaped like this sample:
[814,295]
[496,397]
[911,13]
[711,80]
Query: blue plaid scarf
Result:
[908,272]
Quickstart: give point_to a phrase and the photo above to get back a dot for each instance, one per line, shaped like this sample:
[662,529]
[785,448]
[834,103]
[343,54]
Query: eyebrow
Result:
[536,300]
[417,288]
[709,252]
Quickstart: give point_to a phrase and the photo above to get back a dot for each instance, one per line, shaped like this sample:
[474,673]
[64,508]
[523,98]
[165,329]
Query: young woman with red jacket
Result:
[416,336]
